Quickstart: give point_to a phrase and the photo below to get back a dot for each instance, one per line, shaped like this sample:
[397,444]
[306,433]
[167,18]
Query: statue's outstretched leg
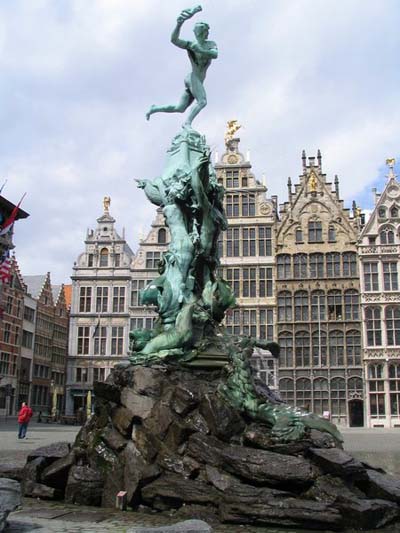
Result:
[200,96]
[181,107]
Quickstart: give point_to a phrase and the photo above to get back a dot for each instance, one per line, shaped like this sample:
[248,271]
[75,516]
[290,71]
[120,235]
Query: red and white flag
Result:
[5,267]
[6,226]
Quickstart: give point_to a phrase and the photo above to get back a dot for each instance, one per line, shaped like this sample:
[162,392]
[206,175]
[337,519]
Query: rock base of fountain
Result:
[168,438]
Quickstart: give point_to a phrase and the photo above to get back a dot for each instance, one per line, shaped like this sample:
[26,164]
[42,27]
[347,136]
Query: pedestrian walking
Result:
[24,417]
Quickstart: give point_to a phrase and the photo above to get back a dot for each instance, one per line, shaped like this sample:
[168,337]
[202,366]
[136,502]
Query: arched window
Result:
[382,212]
[321,396]
[353,347]
[355,386]
[373,326]
[284,266]
[394,212]
[392,318]
[333,265]
[104,257]
[286,389]
[318,305]
[316,266]
[299,235]
[319,348]
[349,264]
[331,234]
[301,306]
[336,348]
[376,390]
[335,311]
[300,266]
[351,305]
[285,341]
[386,235]
[302,349]
[394,387]
[303,393]
[338,397]
[162,236]
[285,313]
[314,231]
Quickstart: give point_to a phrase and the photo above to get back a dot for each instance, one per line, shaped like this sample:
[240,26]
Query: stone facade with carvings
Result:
[379,253]
[318,299]
[247,254]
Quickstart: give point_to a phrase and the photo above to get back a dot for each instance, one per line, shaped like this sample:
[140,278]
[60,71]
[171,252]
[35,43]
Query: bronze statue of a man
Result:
[201,52]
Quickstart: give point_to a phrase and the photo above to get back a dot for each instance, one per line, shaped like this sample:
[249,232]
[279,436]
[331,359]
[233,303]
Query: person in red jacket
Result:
[24,417]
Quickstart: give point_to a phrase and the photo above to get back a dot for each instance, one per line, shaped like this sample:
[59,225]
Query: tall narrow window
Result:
[314,231]
[321,396]
[335,311]
[301,306]
[232,205]
[265,282]
[371,280]
[100,340]
[286,390]
[249,242]
[318,306]
[333,265]
[264,241]
[376,390]
[233,278]
[266,323]
[392,316]
[162,236]
[331,234]
[390,279]
[338,398]
[232,242]
[316,266]
[319,348]
[85,299]
[386,236]
[352,305]
[302,349]
[118,299]
[285,306]
[83,340]
[299,235]
[349,264]
[300,266]
[284,266]
[336,348]
[286,355]
[394,212]
[303,393]
[103,257]
[101,299]
[248,205]
[249,283]
[90,260]
[373,326]
[117,340]
[137,286]
[353,348]
[394,387]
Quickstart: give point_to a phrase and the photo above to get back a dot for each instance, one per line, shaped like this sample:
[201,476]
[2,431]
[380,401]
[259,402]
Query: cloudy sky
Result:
[77,76]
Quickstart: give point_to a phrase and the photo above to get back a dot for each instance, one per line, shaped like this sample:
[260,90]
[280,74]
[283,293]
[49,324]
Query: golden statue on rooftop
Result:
[231,128]
[106,203]
[390,162]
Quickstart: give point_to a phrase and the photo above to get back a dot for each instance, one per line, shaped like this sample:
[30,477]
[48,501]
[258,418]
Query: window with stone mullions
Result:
[284,265]
[249,318]
[285,309]
[394,387]
[100,340]
[319,348]
[232,242]
[232,179]
[248,205]
[349,264]
[285,341]
[376,390]
[352,305]
[373,326]
[300,266]
[85,299]
[83,340]
[336,348]
[264,241]
[249,242]
[265,282]
[118,299]
[137,286]
[233,278]
[392,319]
[318,305]
[249,283]
[371,280]
[101,299]
[314,231]
[302,349]
[232,205]
[141,323]
[99,374]
[266,324]
[316,266]
[301,306]
[117,340]
[152,260]
[390,279]
[333,265]
[353,348]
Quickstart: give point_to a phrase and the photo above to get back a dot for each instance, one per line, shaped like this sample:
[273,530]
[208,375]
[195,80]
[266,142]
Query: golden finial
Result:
[231,128]
[391,161]
[358,212]
[106,203]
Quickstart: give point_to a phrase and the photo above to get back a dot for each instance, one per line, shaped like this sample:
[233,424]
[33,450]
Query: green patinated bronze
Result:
[190,298]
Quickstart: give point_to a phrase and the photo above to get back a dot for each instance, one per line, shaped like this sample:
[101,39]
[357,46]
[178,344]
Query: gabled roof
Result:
[35,284]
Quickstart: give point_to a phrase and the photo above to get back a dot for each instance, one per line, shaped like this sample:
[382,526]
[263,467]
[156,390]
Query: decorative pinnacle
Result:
[106,204]
[390,162]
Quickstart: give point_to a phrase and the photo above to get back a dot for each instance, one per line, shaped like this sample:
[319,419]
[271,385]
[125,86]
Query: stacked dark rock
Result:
[165,436]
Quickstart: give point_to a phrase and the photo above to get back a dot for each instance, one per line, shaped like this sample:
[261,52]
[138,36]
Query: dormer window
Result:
[386,236]
[394,212]
[162,236]
[382,212]
[90,260]
[104,257]
[314,231]
[331,234]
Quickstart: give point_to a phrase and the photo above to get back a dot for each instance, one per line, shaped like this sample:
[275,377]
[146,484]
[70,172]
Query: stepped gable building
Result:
[11,305]
[59,350]
[99,319]
[379,252]
[318,299]
[39,288]
[247,255]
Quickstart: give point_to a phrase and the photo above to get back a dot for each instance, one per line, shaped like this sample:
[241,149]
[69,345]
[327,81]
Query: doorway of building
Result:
[356,413]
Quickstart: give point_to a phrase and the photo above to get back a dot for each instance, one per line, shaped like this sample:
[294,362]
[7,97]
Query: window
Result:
[285,306]
[319,348]
[83,340]
[249,283]
[101,299]
[266,324]
[338,397]
[284,266]
[162,236]
[265,282]
[382,212]
[316,266]
[392,316]
[251,322]
[300,266]
[321,396]
[286,355]
[8,364]
[386,236]
[118,299]
[85,299]
[232,205]
[244,181]
[232,179]
[232,242]
[9,305]
[233,278]
[333,265]
[355,387]
[248,205]
[353,347]
[103,257]
[373,326]
[137,286]
[302,349]
[81,375]
[7,332]
[351,305]
[331,234]
[314,231]
[100,340]
[152,260]
[376,390]
[394,388]
[29,314]
[27,339]
[299,235]
[301,306]
[142,323]
[117,340]
[371,281]
[394,212]
[249,242]
[90,260]
[303,393]
[336,348]
[335,305]
[390,280]
[318,306]
[264,241]
[99,374]
[349,264]
[286,389]
[117,260]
